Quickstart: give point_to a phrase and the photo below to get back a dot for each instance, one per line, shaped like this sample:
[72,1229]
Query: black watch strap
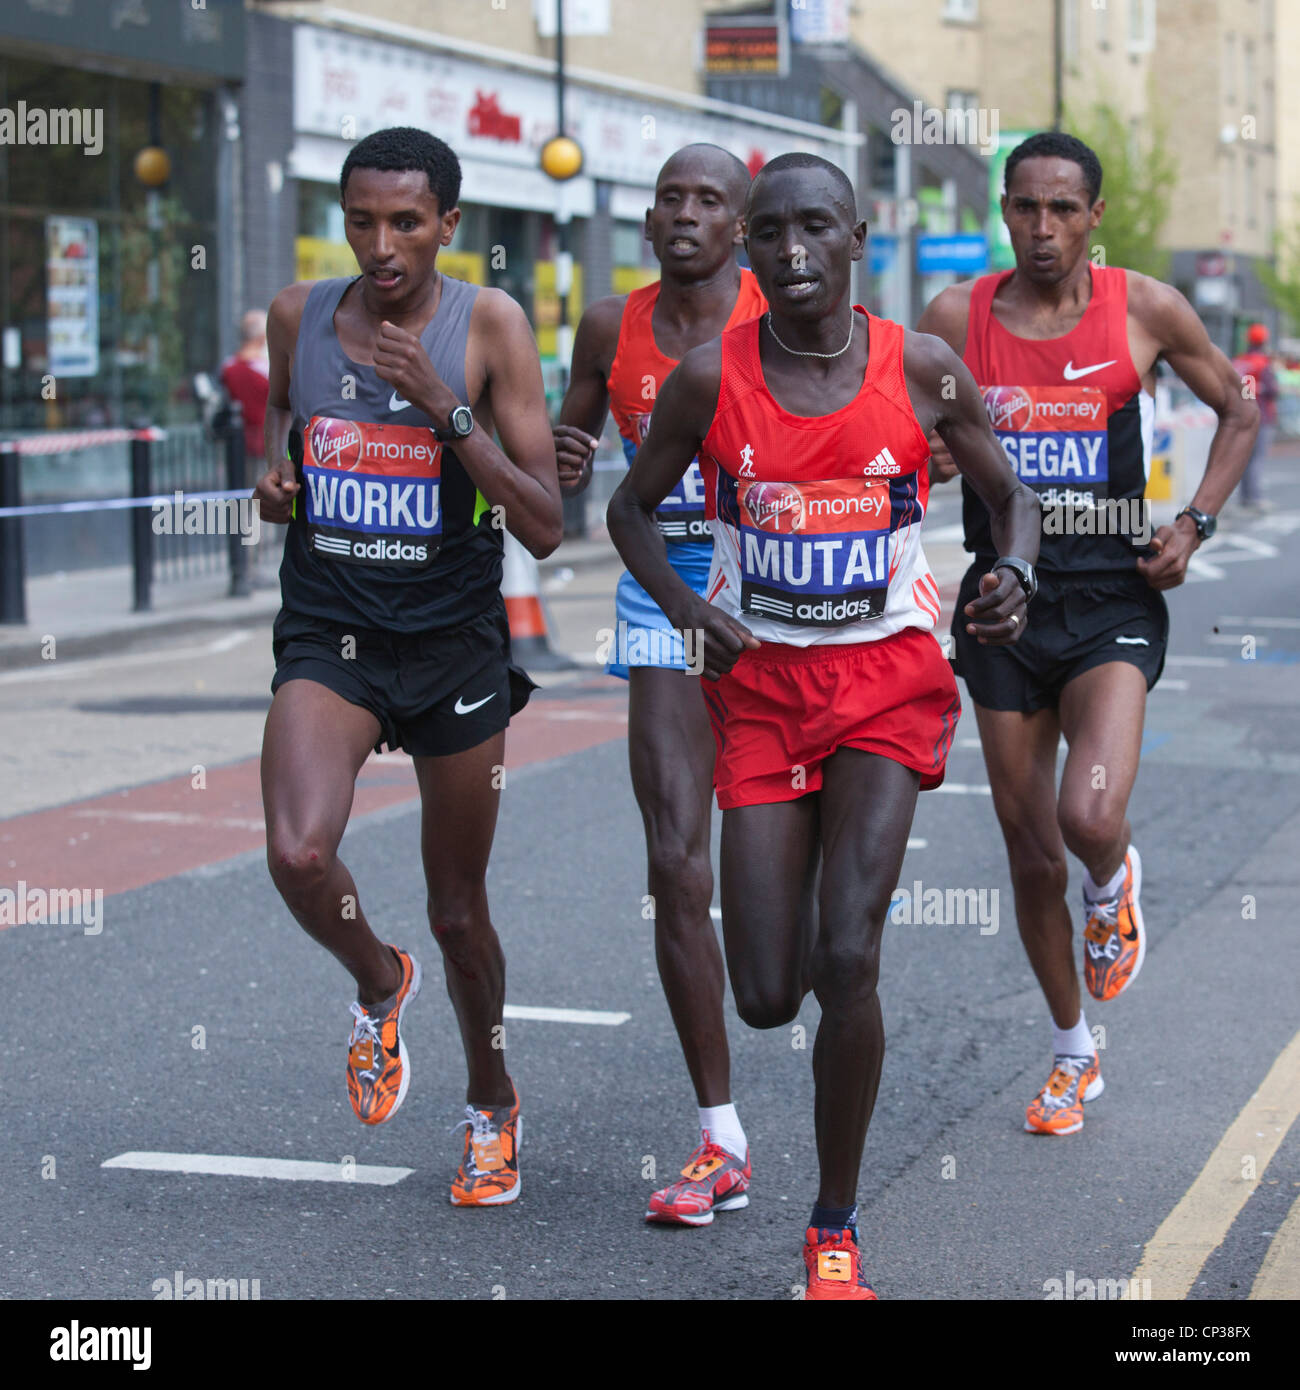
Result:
[1023,571]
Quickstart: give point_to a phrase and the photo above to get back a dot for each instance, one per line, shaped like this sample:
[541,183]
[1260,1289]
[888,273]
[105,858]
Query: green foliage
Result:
[1138,178]
[1281,281]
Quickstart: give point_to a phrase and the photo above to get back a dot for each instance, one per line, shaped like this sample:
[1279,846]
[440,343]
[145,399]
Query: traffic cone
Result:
[519,588]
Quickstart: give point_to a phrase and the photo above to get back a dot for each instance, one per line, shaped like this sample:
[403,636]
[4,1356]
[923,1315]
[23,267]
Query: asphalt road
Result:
[101,1056]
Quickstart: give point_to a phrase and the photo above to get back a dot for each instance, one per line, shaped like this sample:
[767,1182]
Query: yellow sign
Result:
[546,304]
[627,278]
[320,259]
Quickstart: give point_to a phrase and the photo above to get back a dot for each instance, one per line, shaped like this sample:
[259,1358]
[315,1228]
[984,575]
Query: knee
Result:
[768,1005]
[1037,869]
[1090,825]
[298,863]
[680,873]
[841,973]
[453,922]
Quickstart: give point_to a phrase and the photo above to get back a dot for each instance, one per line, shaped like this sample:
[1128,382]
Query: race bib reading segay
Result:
[814,553]
[680,516]
[1055,439]
[372,492]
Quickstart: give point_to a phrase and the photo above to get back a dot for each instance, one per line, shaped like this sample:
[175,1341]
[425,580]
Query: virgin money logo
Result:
[335,443]
[1009,407]
[775,506]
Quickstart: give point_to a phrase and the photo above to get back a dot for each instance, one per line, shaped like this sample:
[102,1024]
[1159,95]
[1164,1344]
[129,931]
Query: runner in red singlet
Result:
[625,348]
[1065,353]
[831,702]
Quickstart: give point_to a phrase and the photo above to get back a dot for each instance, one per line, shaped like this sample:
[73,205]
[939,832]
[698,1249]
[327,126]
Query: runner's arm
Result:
[517,475]
[586,402]
[682,415]
[1180,335]
[277,487]
[947,400]
[946,316]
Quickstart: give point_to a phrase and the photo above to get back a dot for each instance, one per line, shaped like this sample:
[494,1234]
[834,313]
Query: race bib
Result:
[680,516]
[1055,439]
[815,553]
[372,492]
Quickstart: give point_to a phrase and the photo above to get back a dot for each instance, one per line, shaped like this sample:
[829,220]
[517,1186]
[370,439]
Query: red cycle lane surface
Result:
[143,834]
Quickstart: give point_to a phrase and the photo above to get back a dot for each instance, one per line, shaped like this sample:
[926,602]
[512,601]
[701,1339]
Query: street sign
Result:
[882,252]
[965,252]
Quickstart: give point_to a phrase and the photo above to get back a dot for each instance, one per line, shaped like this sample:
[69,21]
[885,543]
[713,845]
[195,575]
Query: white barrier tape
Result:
[111,504]
[76,439]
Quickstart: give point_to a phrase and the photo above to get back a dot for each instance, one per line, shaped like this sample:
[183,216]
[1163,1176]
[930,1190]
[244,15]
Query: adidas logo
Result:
[882,463]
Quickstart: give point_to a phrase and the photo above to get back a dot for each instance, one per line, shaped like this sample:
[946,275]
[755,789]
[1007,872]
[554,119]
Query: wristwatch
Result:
[1023,571]
[1205,524]
[462,423]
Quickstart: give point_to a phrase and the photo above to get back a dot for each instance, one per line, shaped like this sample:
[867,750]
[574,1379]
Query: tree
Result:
[1138,178]
[1281,280]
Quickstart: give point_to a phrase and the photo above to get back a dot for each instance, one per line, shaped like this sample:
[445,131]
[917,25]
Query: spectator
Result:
[1256,366]
[245,378]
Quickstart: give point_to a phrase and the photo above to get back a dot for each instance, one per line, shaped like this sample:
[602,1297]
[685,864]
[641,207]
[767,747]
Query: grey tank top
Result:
[389,531]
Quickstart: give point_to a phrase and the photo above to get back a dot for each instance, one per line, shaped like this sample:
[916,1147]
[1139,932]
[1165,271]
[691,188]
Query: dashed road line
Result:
[239,1166]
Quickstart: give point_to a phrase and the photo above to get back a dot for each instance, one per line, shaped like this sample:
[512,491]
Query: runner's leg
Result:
[867,804]
[1020,757]
[313,747]
[670,749]
[459,801]
[1102,712]
[769,861]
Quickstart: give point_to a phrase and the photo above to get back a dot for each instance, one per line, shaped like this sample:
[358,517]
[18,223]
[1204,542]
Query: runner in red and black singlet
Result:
[810,425]
[625,348]
[1064,353]
[386,389]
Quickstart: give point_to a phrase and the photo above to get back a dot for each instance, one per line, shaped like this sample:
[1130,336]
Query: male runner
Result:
[1065,353]
[393,629]
[833,704]
[625,347]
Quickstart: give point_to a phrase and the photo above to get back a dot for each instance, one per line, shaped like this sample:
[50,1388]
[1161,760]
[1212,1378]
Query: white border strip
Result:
[237,1166]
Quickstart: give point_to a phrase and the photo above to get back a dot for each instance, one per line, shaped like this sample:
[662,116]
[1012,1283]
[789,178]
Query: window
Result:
[1250,191]
[958,100]
[1230,67]
[1070,29]
[1248,75]
[1141,26]
[963,11]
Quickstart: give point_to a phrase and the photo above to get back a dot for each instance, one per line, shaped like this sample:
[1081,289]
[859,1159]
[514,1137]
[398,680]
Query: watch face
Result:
[1209,527]
[462,421]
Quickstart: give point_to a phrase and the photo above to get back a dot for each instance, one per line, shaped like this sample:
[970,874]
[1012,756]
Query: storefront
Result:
[112,293]
[496,116]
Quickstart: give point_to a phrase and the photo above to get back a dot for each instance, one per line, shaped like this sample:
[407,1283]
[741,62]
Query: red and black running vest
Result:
[1073,419]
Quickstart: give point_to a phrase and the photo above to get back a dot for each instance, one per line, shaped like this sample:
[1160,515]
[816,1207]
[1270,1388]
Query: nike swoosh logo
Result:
[462,708]
[1134,641]
[1072,373]
[395,402]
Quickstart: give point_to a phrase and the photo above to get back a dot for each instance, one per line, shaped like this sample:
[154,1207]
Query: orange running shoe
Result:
[488,1175]
[1058,1107]
[379,1071]
[713,1180]
[834,1265]
[1114,940]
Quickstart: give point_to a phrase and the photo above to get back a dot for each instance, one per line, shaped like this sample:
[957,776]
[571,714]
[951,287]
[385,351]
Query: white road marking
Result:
[1168,684]
[1230,639]
[609,717]
[544,1015]
[237,1166]
[963,789]
[173,818]
[1260,622]
[1196,661]
[70,670]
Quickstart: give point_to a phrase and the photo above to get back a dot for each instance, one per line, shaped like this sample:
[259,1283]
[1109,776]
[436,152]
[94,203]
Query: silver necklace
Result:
[794,352]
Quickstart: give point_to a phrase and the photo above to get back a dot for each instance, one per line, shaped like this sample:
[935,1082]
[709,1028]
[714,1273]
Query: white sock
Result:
[1073,1042]
[724,1128]
[1101,893]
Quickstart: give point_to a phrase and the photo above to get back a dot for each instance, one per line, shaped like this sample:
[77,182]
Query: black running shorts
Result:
[1074,625]
[434,693]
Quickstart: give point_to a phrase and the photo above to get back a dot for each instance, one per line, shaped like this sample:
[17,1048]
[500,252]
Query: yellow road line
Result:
[1279,1275]
[1195,1228]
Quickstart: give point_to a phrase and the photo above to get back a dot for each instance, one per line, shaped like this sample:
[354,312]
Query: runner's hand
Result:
[574,451]
[401,361]
[275,491]
[1173,546]
[942,466]
[1001,598]
[720,638]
